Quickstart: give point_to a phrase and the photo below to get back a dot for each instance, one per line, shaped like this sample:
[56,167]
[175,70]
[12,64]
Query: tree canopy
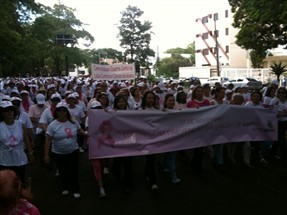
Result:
[135,37]
[262,24]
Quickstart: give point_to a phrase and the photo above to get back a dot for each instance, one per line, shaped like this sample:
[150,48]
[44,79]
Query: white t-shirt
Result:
[64,136]
[25,119]
[279,107]
[12,145]
[77,113]
[46,118]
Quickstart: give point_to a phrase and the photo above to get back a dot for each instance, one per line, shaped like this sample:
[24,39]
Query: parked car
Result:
[213,80]
[240,81]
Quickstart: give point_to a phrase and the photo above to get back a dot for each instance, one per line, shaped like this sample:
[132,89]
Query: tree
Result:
[60,20]
[15,15]
[169,67]
[190,49]
[135,37]
[262,24]
[278,69]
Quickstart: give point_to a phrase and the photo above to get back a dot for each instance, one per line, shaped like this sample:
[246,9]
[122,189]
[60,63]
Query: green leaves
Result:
[135,36]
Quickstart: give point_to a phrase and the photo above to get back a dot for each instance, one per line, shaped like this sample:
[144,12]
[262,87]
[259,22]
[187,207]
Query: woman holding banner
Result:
[149,103]
[197,101]
[123,163]
[170,157]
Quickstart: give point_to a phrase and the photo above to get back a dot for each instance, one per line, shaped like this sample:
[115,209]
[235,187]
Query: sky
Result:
[172,20]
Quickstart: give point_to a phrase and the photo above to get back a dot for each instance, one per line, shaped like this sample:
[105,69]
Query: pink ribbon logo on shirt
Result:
[105,129]
[69,133]
[12,139]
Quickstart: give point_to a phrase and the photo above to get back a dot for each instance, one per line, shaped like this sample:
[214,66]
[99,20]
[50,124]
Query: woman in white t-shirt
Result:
[13,138]
[278,149]
[61,136]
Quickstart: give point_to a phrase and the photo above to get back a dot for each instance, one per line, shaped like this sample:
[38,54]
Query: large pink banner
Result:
[135,133]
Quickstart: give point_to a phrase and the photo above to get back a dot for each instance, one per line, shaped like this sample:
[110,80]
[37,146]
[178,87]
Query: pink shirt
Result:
[196,104]
[25,207]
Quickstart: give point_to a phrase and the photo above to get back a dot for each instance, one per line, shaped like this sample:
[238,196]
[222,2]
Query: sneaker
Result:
[81,150]
[154,187]
[175,180]
[65,192]
[77,195]
[102,193]
[106,171]
[249,166]
[264,162]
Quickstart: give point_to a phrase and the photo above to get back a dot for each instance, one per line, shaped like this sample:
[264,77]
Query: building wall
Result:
[205,43]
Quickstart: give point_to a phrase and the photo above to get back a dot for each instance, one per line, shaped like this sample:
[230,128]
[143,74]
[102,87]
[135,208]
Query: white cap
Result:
[95,104]
[51,86]
[6,97]
[5,104]
[24,92]
[61,104]
[71,96]
[40,98]
[14,98]
[56,95]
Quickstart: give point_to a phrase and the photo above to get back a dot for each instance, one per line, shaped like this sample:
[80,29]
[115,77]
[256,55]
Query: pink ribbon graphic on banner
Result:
[105,128]
[69,133]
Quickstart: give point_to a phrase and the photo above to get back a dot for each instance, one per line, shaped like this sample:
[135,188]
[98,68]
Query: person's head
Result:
[197,93]
[24,95]
[40,99]
[256,96]
[238,90]
[169,101]
[237,99]
[96,105]
[62,113]
[120,102]
[8,111]
[148,100]
[16,101]
[228,94]
[96,92]
[230,86]
[206,89]
[274,83]
[135,91]
[181,97]
[71,99]
[282,93]
[219,92]
[270,92]
[55,99]
[103,99]
[11,191]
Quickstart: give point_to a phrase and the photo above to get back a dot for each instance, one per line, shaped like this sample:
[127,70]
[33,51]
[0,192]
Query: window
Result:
[205,36]
[204,19]
[198,51]
[227,49]
[205,51]
[216,33]
[215,16]
[198,35]
[226,13]
[211,50]
[226,31]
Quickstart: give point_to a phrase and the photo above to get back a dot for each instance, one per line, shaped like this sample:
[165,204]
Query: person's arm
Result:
[27,143]
[47,147]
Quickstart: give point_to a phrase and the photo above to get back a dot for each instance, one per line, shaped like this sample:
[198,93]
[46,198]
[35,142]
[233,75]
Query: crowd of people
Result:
[49,116]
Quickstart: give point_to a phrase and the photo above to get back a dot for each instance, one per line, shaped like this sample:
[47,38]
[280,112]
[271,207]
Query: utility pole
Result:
[216,47]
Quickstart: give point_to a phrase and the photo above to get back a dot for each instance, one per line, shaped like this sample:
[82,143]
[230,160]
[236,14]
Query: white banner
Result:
[113,72]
